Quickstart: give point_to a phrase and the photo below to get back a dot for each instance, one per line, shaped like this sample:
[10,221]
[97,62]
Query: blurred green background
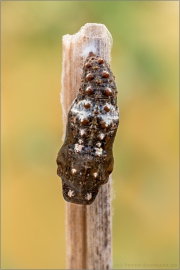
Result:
[145,178]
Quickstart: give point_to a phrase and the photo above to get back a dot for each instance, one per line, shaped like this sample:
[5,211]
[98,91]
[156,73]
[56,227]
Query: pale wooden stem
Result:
[88,228]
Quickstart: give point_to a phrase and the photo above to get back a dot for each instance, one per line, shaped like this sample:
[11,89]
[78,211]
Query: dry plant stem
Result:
[88,228]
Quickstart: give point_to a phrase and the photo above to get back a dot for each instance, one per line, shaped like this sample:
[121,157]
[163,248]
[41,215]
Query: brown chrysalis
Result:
[85,160]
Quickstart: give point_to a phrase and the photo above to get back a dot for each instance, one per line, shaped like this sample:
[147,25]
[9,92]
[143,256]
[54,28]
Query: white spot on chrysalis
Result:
[98,151]
[98,144]
[70,193]
[73,170]
[88,196]
[82,132]
[78,147]
[101,136]
[95,174]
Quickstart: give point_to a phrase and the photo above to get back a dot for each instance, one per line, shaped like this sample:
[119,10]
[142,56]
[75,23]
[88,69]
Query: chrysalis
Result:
[85,160]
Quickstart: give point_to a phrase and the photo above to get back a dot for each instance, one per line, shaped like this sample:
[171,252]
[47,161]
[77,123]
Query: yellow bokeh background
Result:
[145,178]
